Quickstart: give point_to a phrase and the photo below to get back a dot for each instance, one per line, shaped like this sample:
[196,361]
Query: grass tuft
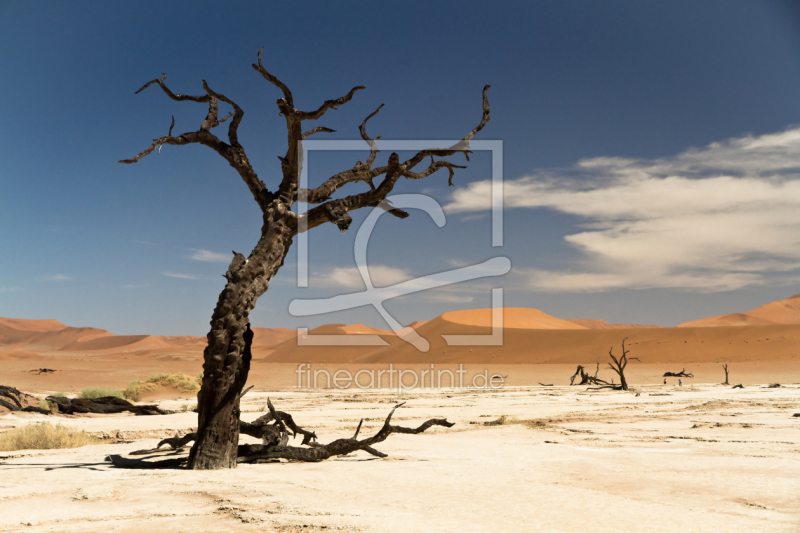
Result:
[50,406]
[90,393]
[506,420]
[179,381]
[44,436]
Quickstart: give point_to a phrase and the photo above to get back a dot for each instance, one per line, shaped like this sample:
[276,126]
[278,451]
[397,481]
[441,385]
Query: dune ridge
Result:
[780,312]
[592,323]
[529,336]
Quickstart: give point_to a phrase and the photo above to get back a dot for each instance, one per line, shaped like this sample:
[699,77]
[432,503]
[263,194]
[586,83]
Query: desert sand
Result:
[697,458]
[702,457]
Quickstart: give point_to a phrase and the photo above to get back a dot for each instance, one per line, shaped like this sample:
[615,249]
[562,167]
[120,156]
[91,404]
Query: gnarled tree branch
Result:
[234,152]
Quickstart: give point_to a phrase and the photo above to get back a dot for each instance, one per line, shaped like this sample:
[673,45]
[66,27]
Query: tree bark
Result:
[227,356]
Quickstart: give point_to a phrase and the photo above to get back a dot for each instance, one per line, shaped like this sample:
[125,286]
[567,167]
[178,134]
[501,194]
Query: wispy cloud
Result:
[210,257]
[10,289]
[56,277]
[180,275]
[713,219]
[350,278]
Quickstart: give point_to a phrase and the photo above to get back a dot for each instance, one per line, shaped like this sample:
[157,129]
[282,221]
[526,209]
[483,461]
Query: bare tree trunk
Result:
[227,356]
[725,367]
[619,365]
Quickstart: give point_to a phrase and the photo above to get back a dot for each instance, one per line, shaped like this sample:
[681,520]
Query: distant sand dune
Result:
[768,333]
[780,312]
[513,317]
[602,324]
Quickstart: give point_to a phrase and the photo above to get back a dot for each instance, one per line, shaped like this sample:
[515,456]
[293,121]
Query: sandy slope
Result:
[780,312]
[602,324]
[699,459]
[513,317]
[529,337]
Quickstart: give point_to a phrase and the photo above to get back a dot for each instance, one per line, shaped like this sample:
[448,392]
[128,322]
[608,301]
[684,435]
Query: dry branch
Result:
[681,374]
[586,379]
[13,400]
[105,405]
[277,448]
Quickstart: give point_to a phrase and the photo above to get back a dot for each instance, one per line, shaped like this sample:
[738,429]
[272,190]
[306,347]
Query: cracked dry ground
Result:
[700,458]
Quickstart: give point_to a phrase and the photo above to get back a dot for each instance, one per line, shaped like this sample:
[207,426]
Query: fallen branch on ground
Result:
[12,399]
[586,379]
[681,374]
[105,405]
[276,437]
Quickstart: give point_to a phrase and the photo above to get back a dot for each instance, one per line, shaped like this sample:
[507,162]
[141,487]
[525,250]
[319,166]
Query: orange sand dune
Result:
[361,329]
[269,337]
[553,346]
[23,324]
[20,338]
[529,336]
[602,324]
[513,317]
[780,312]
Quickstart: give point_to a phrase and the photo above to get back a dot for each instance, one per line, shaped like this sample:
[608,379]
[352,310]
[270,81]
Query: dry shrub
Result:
[91,393]
[50,406]
[179,381]
[507,420]
[504,420]
[44,436]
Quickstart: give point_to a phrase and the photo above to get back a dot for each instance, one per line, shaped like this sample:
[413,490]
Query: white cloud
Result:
[56,277]
[180,276]
[350,278]
[713,219]
[210,257]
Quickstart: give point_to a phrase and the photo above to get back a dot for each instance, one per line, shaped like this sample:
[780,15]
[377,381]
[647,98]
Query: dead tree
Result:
[586,379]
[725,367]
[619,365]
[681,374]
[226,357]
[275,443]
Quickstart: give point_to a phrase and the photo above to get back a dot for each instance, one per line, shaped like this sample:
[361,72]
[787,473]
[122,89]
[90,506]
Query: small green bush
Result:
[179,381]
[91,393]
[44,436]
[135,389]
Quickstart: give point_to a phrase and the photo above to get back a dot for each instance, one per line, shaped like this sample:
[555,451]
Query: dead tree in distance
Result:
[619,365]
[725,367]
[586,379]
[681,374]
[226,357]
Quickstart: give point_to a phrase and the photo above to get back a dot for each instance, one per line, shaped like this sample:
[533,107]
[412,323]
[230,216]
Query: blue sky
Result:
[649,154]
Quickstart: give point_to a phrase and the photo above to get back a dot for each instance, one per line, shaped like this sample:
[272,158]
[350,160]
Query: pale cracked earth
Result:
[700,458]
